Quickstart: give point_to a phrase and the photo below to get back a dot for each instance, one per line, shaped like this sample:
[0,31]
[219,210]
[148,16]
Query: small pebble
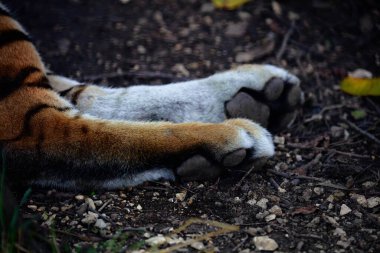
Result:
[79,197]
[262,203]
[344,209]
[156,240]
[275,210]
[373,202]
[251,202]
[270,217]
[198,245]
[100,224]
[265,243]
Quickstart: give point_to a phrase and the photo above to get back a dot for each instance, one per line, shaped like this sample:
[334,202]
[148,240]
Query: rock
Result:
[344,209]
[318,190]
[306,194]
[373,202]
[340,232]
[262,203]
[369,184]
[79,197]
[100,224]
[138,207]
[314,222]
[360,199]
[180,196]
[298,158]
[265,243]
[344,244]
[32,207]
[270,217]
[156,240]
[98,202]
[66,207]
[197,245]
[279,140]
[90,218]
[90,203]
[276,210]
[276,7]
[251,202]
[82,209]
[236,29]
[360,73]
[336,131]
[261,215]
[330,220]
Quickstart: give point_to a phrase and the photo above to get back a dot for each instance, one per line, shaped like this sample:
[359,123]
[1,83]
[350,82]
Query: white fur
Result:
[122,182]
[198,100]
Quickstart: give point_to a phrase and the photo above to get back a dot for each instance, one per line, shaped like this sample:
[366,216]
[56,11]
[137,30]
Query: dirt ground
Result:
[320,193]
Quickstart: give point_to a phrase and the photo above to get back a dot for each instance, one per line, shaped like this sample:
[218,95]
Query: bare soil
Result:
[320,163]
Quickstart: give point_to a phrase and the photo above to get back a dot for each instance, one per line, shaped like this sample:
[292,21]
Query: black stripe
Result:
[74,98]
[26,129]
[64,92]
[9,85]
[4,12]
[10,36]
[42,83]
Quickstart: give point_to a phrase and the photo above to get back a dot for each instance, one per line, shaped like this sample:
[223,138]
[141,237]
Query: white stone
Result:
[265,243]
[156,240]
[139,207]
[275,210]
[360,199]
[32,207]
[79,197]
[262,203]
[100,224]
[270,217]
[90,218]
[373,202]
[198,245]
[344,209]
[339,232]
[90,203]
[180,196]
[251,202]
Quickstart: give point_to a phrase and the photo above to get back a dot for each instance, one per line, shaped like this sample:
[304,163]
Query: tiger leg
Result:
[55,146]
[263,93]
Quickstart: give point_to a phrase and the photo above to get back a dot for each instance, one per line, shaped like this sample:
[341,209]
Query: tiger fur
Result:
[47,141]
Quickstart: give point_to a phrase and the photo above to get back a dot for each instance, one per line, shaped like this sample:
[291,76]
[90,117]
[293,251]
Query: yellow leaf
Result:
[229,4]
[361,86]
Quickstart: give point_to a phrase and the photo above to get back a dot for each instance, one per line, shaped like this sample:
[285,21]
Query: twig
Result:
[140,74]
[377,108]
[319,115]
[290,176]
[239,244]
[312,236]
[301,146]
[363,132]
[104,205]
[285,41]
[244,177]
[276,185]
[311,163]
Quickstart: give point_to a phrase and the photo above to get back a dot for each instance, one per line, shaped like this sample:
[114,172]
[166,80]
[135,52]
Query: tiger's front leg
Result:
[57,147]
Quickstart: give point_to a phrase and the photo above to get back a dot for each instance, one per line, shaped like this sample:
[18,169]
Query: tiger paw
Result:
[265,94]
[237,143]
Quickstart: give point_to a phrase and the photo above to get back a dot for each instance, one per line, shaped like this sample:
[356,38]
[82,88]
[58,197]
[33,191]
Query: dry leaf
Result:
[361,86]
[229,4]
[304,210]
